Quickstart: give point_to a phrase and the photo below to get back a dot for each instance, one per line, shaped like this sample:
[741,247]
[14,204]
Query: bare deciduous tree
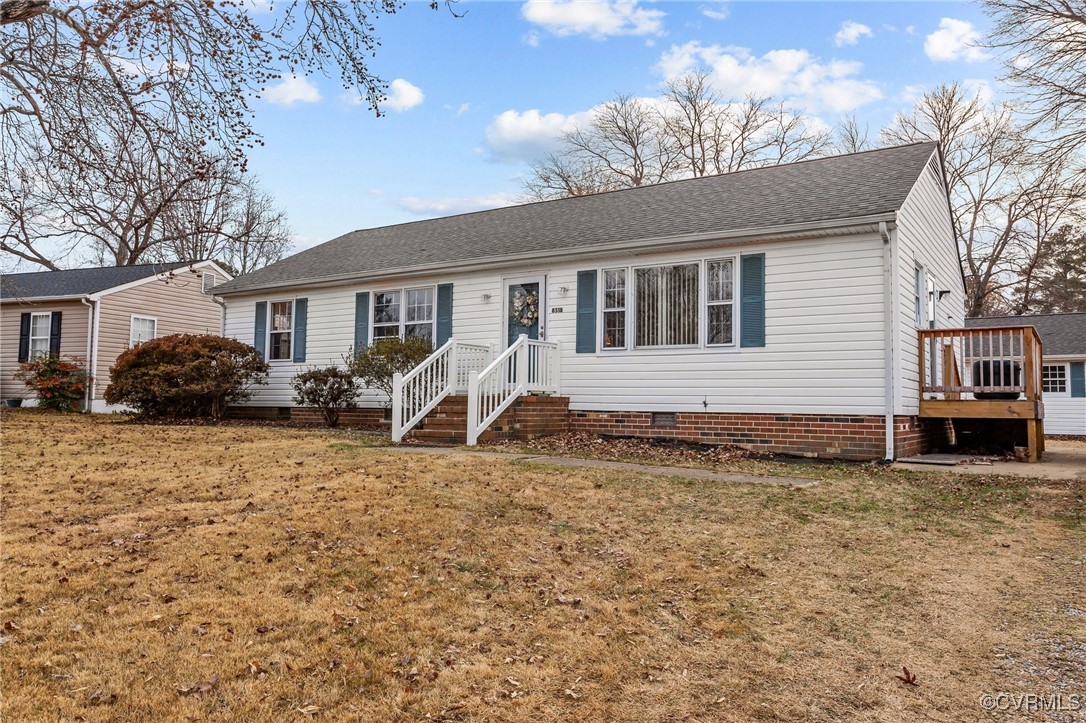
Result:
[1044,42]
[1007,194]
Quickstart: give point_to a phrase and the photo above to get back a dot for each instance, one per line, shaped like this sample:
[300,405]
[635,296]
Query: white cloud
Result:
[292,89]
[717,10]
[402,96]
[449,206]
[788,74]
[851,32]
[531,38]
[955,40]
[520,136]
[596,18]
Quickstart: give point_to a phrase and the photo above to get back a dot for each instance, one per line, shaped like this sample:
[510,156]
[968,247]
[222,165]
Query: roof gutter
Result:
[41,299]
[639,246]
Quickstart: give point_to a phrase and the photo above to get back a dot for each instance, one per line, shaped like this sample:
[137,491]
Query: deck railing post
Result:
[522,365]
[556,370]
[397,407]
[473,408]
[453,375]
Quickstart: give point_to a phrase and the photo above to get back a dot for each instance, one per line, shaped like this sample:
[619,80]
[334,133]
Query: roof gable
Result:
[825,189]
[78,282]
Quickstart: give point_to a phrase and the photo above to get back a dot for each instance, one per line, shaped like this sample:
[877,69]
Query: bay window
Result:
[404,313]
[675,305]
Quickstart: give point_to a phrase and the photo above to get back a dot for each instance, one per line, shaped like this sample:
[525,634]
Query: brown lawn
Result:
[248,573]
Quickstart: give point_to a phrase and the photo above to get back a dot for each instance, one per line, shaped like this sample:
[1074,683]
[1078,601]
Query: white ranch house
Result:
[775,308]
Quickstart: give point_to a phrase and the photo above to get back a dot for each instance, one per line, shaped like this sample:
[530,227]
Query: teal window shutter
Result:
[1078,379]
[752,300]
[301,310]
[361,320]
[444,313]
[586,312]
[260,329]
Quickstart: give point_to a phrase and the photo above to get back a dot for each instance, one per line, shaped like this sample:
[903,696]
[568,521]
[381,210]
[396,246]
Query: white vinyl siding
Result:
[143,328]
[1064,414]
[40,325]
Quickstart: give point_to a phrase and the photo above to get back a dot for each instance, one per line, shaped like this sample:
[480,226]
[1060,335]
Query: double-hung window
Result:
[279,332]
[143,329]
[405,313]
[40,325]
[677,305]
[1054,378]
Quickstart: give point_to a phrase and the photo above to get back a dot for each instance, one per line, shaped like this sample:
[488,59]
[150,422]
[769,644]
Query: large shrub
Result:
[375,365]
[185,375]
[330,390]
[58,382]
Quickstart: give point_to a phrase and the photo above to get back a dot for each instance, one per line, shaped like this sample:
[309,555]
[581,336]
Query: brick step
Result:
[438,436]
[460,425]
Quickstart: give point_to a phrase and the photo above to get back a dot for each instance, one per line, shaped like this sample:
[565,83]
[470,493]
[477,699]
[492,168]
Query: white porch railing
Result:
[528,365]
[447,370]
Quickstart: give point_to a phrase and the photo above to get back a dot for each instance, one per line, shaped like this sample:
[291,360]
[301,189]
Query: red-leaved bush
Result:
[58,382]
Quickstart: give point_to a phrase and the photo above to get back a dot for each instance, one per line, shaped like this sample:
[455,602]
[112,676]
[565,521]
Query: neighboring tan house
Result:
[777,308]
[95,314]
[1063,337]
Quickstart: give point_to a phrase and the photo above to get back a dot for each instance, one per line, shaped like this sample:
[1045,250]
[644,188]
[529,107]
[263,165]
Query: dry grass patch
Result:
[202,573]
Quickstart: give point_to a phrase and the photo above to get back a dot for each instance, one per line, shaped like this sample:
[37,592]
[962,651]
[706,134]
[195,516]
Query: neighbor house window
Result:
[614,309]
[208,281]
[1054,379]
[143,329]
[721,302]
[919,288]
[404,313]
[666,305]
[39,335]
[279,334]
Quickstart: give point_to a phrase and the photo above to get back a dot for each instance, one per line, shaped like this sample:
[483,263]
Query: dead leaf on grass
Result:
[908,678]
[202,686]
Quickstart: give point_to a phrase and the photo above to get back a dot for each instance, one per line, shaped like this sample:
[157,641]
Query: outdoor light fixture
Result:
[943,293]
[564,290]
[486,298]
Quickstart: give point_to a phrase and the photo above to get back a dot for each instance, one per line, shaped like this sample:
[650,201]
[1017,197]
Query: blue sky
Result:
[473,99]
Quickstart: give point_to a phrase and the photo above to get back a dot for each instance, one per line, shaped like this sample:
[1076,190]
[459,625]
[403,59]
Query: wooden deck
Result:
[984,374]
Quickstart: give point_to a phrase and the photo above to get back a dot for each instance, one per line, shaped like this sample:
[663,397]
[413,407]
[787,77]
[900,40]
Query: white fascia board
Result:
[161,276]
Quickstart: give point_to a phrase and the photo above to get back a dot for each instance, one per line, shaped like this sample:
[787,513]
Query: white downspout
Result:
[94,367]
[90,348]
[888,288]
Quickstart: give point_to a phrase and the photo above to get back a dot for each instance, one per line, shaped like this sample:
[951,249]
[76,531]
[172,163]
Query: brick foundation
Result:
[856,437]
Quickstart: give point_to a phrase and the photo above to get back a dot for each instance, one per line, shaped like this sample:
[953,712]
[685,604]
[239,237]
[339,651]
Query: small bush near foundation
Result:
[185,375]
[58,382]
[375,365]
[330,390]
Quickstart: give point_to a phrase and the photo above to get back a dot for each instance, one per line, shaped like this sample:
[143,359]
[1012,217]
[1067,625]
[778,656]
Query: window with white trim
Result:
[1054,378]
[143,329]
[720,302]
[614,309]
[40,326]
[404,313]
[208,281]
[666,305]
[919,288]
[280,330]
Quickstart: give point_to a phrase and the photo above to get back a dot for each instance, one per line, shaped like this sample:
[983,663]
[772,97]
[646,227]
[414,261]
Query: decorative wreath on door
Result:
[524,309]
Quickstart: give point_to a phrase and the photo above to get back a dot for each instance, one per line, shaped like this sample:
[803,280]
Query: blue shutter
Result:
[260,329]
[444,313]
[301,309]
[586,312]
[54,334]
[24,337]
[361,321]
[1078,379]
[752,300]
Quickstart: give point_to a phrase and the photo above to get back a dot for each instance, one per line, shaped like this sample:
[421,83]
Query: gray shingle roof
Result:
[1061,334]
[76,282]
[824,189]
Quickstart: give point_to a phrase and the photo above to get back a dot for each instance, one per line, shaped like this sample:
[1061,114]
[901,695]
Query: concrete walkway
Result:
[685,472]
[1060,461]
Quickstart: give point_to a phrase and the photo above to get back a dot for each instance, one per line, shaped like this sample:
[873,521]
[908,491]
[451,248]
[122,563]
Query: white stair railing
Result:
[528,365]
[447,370]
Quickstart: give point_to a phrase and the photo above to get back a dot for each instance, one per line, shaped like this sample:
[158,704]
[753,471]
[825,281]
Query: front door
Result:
[524,308]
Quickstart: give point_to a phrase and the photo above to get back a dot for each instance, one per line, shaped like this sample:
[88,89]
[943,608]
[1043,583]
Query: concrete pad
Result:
[1060,461]
[659,471]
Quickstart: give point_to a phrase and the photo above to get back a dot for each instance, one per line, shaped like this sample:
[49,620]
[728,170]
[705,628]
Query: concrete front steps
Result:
[529,417]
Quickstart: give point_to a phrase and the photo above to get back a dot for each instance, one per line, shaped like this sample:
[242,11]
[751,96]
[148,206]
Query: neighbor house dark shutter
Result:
[1078,379]
[361,320]
[54,334]
[444,313]
[260,329]
[752,300]
[586,312]
[301,309]
[24,338]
